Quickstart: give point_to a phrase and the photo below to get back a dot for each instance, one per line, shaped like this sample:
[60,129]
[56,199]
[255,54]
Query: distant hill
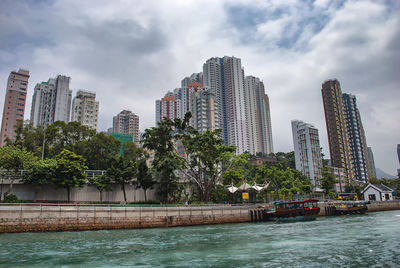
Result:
[382,174]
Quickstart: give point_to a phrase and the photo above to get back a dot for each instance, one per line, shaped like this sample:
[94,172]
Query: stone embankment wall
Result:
[50,218]
[382,206]
[372,207]
[46,218]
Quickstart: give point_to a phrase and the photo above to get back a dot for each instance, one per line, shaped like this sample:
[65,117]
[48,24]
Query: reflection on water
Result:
[353,241]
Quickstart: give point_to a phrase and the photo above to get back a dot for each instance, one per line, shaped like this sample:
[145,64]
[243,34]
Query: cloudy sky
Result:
[132,52]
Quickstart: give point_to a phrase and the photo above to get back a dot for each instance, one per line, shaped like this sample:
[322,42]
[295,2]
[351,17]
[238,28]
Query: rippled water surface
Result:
[347,241]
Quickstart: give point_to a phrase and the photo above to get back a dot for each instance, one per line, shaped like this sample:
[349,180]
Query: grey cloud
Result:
[131,53]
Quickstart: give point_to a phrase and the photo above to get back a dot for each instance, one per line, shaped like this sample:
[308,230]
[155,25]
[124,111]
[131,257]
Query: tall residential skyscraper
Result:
[85,109]
[51,101]
[235,104]
[307,151]
[204,110]
[194,78]
[212,80]
[336,125]
[128,123]
[356,134]
[371,162]
[168,107]
[242,107]
[258,118]
[14,104]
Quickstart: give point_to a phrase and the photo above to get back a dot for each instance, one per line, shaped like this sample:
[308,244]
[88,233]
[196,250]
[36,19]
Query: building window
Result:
[372,197]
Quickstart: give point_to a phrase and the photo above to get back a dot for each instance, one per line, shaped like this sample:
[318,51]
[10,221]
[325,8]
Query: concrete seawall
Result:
[52,218]
[44,218]
[372,207]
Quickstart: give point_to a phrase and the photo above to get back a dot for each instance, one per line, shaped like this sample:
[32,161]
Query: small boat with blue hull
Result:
[299,210]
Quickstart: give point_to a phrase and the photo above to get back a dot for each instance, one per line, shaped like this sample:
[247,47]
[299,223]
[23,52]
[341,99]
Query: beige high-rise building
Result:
[14,104]
[338,138]
[204,110]
[128,123]
[85,109]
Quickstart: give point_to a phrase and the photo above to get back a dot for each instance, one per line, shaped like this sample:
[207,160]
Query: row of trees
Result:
[60,154]
[67,170]
[208,162]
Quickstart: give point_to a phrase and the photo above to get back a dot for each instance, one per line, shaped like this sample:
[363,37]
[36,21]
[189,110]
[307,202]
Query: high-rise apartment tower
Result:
[51,101]
[335,117]
[128,123]
[14,104]
[307,151]
[358,144]
[258,119]
[85,109]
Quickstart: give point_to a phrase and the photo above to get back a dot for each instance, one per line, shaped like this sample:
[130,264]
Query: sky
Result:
[132,52]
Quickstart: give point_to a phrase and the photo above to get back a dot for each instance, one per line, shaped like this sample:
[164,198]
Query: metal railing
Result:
[90,173]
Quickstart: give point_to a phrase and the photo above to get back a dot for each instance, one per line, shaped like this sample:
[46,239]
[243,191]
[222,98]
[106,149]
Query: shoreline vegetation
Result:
[174,159]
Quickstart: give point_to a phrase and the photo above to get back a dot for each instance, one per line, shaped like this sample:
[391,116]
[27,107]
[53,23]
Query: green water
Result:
[371,240]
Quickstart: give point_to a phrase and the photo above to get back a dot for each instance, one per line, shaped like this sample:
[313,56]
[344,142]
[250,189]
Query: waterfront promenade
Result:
[57,217]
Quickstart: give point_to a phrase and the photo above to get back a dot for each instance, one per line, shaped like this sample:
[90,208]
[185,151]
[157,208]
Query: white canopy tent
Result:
[244,187]
[257,188]
[232,189]
[265,187]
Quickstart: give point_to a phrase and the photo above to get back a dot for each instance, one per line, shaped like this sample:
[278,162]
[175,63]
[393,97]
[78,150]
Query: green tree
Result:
[69,172]
[18,129]
[132,152]
[99,149]
[40,173]
[166,161]
[102,183]
[14,159]
[327,181]
[207,159]
[236,173]
[144,177]
[32,140]
[285,160]
[281,177]
[122,171]
[72,136]
[28,138]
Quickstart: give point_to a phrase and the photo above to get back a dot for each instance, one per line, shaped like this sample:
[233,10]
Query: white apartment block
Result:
[258,119]
[253,134]
[51,101]
[235,104]
[212,80]
[85,109]
[307,151]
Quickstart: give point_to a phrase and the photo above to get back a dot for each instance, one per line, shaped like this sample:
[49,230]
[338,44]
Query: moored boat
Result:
[351,207]
[302,210]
